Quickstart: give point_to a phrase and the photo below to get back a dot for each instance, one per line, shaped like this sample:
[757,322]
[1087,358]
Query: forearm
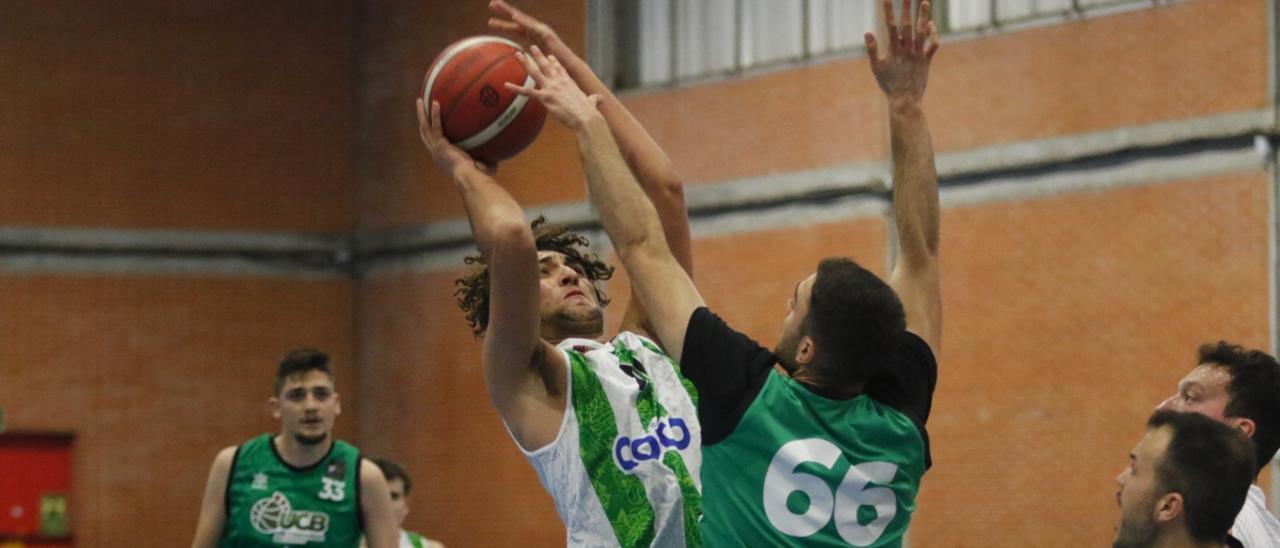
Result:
[649,164]
[490,208]
[628,216]
[915,182]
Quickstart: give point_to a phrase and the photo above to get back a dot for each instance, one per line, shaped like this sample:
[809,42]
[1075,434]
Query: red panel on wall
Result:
[35,487]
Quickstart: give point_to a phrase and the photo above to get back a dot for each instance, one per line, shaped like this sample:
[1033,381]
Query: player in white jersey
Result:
[607,422]
[1240,388]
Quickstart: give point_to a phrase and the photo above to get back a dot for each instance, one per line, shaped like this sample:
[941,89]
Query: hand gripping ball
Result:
[479,114]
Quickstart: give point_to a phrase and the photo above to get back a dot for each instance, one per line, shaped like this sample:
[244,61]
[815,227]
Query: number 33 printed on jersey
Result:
[783,479]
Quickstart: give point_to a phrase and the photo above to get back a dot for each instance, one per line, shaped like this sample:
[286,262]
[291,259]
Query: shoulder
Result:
[226,457]
[914,348]
[369,472]
[1255,525]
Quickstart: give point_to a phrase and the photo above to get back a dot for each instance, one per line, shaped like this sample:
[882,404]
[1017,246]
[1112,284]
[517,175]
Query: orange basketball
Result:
[478,113]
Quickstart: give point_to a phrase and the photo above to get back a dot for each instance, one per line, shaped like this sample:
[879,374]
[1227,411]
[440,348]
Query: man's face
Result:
[789,338]
[399,500]
[1203,391]
[1138,494]
[306,407]
[569,305]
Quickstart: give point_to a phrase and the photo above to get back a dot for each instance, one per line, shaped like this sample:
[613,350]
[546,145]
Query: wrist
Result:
[590,123]
[904,105]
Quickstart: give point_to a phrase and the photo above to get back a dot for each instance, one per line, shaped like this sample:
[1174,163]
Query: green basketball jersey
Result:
[804,470]
[270,503]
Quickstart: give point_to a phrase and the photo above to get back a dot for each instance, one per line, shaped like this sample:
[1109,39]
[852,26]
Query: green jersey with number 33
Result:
[270,503]
[822,472]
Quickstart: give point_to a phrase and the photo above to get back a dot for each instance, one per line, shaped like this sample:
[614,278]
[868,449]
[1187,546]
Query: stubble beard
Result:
[1135,533]
[785,351]
[574,322]
[311,440]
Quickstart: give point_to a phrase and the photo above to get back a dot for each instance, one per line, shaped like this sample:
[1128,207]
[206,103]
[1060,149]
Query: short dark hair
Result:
[1210,464]
[1253,393]
[301,360]
[473,289]
[855,318]
[393,471]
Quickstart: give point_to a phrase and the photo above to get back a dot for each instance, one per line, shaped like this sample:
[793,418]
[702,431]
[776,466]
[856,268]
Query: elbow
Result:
[670,188]
[638,250]
[509,236]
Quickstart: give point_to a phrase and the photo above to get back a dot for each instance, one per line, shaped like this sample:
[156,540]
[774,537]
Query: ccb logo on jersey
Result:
[669,433]
[275,516]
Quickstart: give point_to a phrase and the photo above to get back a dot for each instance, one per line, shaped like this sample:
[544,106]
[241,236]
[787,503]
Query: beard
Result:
[785,351]
[311,440]
[1136,532]
[573,322]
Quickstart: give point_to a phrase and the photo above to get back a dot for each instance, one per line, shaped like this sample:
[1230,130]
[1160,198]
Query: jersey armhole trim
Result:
[226,489]
[564,418]
[359,501]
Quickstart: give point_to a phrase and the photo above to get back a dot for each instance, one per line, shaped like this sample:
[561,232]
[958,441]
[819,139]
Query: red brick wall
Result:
[154,375]
[158,114]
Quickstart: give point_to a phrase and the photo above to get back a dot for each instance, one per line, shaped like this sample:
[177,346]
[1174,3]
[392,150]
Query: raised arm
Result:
[513,352]
[649,164]
[213,508]
[629,218]
[903,75]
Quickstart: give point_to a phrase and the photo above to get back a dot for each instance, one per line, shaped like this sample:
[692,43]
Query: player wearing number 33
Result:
[832,453]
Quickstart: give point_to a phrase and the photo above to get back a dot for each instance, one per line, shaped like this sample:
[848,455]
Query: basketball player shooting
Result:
[857,351]
[619,475]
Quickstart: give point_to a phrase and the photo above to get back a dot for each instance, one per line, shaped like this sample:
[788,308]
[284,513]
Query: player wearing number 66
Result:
[832,452]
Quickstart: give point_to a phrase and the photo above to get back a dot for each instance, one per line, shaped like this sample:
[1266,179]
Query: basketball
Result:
[478,113]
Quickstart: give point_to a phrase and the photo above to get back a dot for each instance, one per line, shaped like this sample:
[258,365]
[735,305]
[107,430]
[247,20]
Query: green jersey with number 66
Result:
[821,472]
[783,465]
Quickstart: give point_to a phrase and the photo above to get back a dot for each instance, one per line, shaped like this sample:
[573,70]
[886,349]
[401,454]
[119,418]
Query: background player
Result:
[300,486]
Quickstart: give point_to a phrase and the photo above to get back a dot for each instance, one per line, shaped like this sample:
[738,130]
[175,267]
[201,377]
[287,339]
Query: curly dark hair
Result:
[473,289]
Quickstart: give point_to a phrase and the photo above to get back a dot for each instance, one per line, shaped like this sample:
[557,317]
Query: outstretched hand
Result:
[556,90]
[512,21]
[904,71]
[448,156]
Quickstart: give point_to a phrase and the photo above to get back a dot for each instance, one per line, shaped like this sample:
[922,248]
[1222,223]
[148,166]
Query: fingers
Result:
[888,23]
[437,129]
[530,91]
[498,7]
[934,41]
[873,49]
[548,65]
[904,23]
[554,68]
[532,67]
[922,24]
[504,26]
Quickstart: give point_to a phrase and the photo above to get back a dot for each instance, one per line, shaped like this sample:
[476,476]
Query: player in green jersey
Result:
[301,486]
[832,453]
[607,422]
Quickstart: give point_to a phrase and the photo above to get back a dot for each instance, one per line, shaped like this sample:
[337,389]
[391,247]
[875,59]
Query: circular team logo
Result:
[267,515]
